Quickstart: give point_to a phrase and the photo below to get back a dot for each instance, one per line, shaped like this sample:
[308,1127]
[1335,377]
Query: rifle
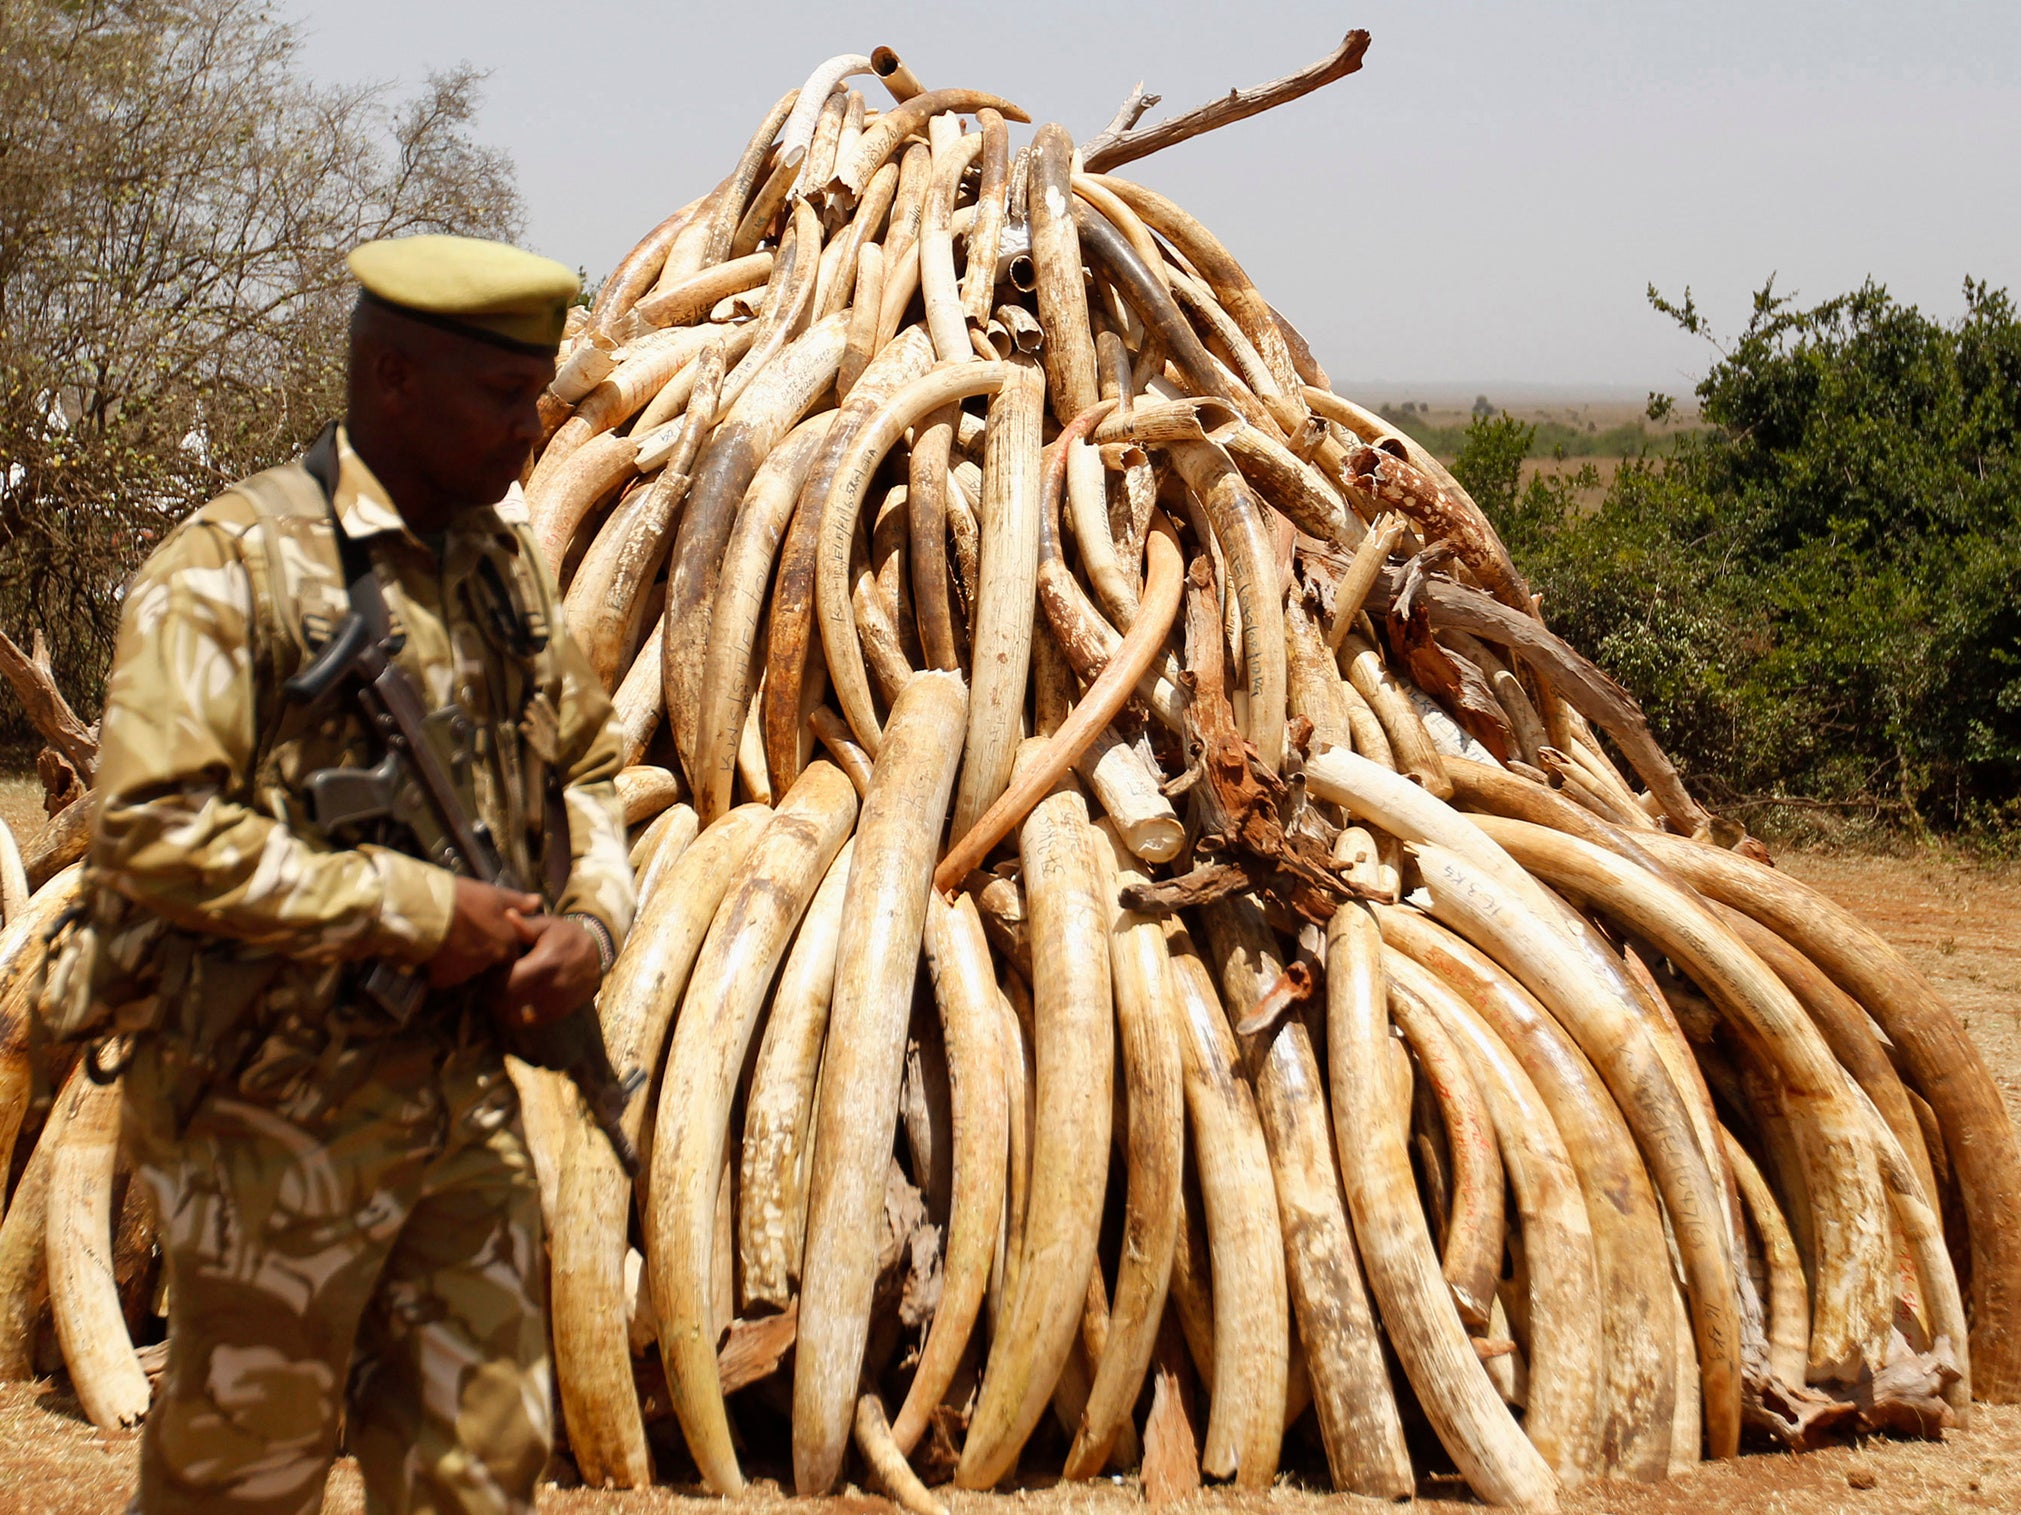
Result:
[414,786]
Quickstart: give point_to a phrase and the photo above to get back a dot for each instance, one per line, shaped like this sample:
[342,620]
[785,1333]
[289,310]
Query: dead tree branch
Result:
[1122,142]
[1129,113]
[47,709]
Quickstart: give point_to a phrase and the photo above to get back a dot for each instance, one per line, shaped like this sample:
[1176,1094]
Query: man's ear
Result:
[393,372]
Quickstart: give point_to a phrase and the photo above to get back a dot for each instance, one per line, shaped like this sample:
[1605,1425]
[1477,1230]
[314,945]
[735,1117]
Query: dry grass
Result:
[21,805]
[1959,924]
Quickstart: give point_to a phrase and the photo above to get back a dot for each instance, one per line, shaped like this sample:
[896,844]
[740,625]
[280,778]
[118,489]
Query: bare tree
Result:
[176,199]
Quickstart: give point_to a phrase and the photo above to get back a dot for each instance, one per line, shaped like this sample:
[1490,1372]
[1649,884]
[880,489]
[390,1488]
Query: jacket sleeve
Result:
[177,745]
[592,748]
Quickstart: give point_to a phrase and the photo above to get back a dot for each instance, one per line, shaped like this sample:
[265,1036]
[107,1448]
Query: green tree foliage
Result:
[175,202]
[1816,596]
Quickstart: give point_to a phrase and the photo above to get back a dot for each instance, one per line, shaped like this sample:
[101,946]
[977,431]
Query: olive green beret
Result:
[486,290]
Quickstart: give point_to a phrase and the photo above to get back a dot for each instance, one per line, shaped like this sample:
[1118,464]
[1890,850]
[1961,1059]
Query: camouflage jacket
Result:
[202,820]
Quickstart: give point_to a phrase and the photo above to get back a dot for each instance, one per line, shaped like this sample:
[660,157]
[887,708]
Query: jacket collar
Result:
[364,509]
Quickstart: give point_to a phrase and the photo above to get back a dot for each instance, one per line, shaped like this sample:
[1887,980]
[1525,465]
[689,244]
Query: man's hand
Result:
[489,927]
[559,972]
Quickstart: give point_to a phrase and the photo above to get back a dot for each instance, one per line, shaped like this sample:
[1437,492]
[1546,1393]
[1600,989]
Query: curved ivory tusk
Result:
[787,681]
[953,152]
[1251,1305]
[1069,350]
[1088,641]
[720,1008]
[1472,1262]
[1088,511]
[1313,686]
[1371,556]
[964,985]
[1231,286]
[1788,1294]
[818,170]
[926,501]
[1566,1334]
[741,584]
[900,122]
[641,694]
[566,497]
[774,404]
[854,470]
[1849,1031]
[645,790]
[1094,712]
[607,596]
[985,233]
[1411,814]
[24,1253]
[786,304]
[1417,1310]
[1241,527]
[661,847]
[845,287]
[651,428]
[791,669]
[728,212]
[1343,1364]
[1924,1232]
[1073,1034]
[1852,1286]
[14,889]
[1008,572]
[779,1108]
[1118,214]
[646,367]
[763,210]
[85,1300]
[1938,1057]
[592,1356]
[1231,343]
[688,300]
[883,918]
[1147,1013]
[684,253]
[1297,489]
[880,1450]
[798,132]
[637,270]
[1416,755]
[24,945]
[1610,1030]
[1635,1292]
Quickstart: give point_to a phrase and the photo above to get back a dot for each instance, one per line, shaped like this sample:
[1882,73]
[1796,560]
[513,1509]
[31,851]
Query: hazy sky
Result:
[1483,204]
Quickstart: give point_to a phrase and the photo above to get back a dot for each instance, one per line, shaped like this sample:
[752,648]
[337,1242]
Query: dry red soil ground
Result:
[1960,924]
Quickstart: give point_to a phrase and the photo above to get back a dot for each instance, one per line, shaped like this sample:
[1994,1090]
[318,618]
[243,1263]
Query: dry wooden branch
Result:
[62,842]
[1130,112]
[1238,804]
[1113,147]
[1591,691]
[751,1349]
[48,710]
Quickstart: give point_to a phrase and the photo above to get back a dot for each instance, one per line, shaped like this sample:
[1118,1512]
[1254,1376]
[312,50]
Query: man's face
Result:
[466,412]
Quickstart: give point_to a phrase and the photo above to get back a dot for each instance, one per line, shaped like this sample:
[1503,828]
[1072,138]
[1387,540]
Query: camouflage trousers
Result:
[360,1254]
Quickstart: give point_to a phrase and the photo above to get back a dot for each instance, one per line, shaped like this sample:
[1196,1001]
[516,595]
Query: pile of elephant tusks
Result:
[1334,1000]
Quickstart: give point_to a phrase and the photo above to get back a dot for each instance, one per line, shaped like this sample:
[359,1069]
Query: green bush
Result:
[1815,597]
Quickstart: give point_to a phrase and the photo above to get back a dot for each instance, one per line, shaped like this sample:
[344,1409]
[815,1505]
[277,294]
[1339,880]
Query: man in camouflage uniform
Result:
[346,1204]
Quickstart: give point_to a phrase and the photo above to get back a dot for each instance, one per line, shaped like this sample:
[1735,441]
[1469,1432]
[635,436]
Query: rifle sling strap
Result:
[360,581]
